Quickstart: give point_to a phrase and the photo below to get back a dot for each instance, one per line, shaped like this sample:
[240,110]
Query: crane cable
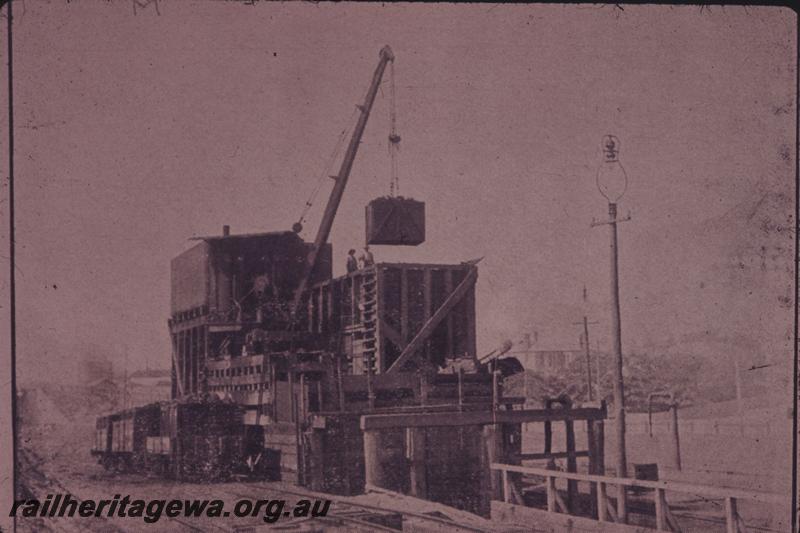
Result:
[394,147]
[394,138]
[327,169]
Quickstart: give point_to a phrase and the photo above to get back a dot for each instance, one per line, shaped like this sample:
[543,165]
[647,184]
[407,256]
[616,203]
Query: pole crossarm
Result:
[596,223]
[427,330]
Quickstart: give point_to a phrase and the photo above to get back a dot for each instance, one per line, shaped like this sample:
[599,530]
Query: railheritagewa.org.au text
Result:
[151,511]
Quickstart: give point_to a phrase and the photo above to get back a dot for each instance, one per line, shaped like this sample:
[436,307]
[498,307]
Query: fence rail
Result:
[665,521]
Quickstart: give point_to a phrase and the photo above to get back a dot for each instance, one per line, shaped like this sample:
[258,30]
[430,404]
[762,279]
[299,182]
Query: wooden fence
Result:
[664,519]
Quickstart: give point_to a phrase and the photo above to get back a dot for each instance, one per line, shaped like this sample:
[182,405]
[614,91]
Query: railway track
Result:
[360,515]
[37,484]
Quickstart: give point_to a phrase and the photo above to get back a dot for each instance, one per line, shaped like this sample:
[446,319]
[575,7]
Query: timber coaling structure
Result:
[335,398]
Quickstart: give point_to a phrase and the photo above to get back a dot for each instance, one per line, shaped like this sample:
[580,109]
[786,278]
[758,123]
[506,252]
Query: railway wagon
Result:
[206,440]
[187,440]
[120,437]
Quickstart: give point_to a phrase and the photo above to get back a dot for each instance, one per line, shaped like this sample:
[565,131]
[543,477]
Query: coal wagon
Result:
[185,440]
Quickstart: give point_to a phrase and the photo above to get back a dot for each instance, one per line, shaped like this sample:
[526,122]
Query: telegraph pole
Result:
[612,183]
[616,331]
[588,356]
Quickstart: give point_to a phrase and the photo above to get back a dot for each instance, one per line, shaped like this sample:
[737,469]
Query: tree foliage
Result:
[642,374]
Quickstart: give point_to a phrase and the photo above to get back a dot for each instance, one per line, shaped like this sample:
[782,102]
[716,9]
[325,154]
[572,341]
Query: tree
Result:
[643,374]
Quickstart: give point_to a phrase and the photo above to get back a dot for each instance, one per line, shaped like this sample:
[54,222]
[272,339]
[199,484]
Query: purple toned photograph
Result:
[405,267]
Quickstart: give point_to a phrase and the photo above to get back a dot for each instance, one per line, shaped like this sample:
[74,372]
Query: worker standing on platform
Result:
[366,258]
[352,263]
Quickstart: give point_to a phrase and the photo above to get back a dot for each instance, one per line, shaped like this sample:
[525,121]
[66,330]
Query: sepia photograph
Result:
[324,267]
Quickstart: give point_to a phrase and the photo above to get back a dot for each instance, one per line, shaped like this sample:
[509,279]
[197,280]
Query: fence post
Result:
[601,502]
[572,466]
[676,439]
[730,515]
[661,502]
[592,465]
[622,504]
[551,494]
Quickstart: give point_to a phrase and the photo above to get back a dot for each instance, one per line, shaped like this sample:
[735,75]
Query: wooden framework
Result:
[189,356]
[395,314]
[501,440]
[458,418]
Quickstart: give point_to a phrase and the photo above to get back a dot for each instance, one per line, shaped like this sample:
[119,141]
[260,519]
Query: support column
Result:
[676,439]
[404,318]
[416,443]
[493,444]
[572,466]
[471,333]
[205,353]
[428,312]
[183,360]
[374,473]
[448,289]
[317,466]
[174,371]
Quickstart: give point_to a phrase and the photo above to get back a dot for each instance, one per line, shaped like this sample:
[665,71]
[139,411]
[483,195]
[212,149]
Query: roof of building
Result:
[243,236]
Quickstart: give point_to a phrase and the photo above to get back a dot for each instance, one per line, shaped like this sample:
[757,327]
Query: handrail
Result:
[705,490]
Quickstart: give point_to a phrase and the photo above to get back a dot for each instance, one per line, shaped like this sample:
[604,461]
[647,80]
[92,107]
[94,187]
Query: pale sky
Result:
[138,131]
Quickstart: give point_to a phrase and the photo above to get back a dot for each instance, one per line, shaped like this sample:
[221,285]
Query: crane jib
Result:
[335,198]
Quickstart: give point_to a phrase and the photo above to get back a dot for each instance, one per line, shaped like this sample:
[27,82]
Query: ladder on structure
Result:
[368,301]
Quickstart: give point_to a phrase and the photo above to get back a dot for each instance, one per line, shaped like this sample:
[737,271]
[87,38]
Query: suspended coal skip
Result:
[395,221]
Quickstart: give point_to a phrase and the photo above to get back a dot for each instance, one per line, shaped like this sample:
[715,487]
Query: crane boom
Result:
[335,198]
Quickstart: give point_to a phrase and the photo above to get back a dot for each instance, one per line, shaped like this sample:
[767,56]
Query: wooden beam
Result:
[671,520]
[310,306]
[321,311]
[555,455]
[448,288]
[661,503]
[563,506]
[392,334]
[185,360]
[176,363]
[602,503]
[428,303]
[466,418]
[206,355]
[380,307]
[591,444]
[416,439]
[471,333]
[404,318]
[195,351]
[551,493]
[467,283]
[731,525]
[572,466]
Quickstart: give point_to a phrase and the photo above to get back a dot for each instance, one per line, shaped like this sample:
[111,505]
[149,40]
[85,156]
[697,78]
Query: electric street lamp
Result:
[612,182]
